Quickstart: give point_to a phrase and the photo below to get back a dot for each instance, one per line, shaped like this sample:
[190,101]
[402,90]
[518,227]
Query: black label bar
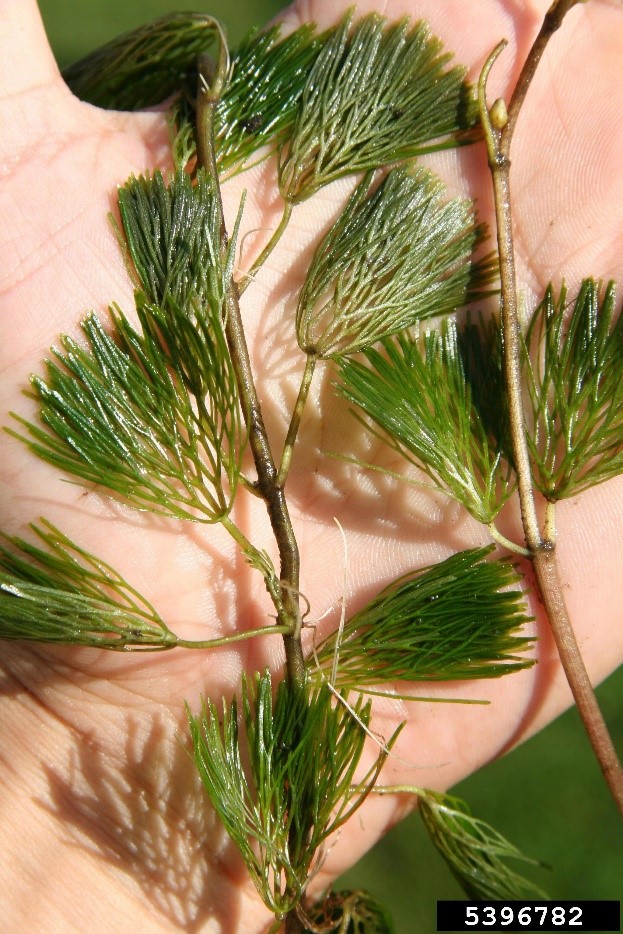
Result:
[545,916]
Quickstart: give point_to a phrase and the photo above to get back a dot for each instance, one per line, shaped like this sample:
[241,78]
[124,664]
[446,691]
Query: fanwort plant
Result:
[162,412]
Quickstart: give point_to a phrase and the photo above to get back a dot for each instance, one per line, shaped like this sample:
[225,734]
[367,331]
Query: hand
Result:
[102,809]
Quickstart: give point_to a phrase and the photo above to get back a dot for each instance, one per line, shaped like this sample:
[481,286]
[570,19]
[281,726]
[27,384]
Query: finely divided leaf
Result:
[259,104]
[456,620]
[573,364]
[61,593]
[143,67]
[481,350]
[474,851]
[418,397]
[302,749]
[117,415]
[376,94]
[396,254]
[154,415]
[382,92]
[261,101]
[172,236]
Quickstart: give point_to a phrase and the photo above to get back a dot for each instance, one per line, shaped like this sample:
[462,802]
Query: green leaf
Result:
[418,397]
[481,348]
[473,850]
[456,620]
[172,235]
[117,415]
[350,912]
[143,67]
[573,361]
[376,94]
[262,99]
[302,750]
[396,254]
[258,106]
[61,593]
[154,415]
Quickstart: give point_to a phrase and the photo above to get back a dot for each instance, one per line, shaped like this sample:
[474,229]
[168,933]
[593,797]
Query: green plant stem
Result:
[499,126]
[398,790]
[248,277]
[288,611]
[505,542]
[239,537]
[295,421]
[249,485]
[229,640]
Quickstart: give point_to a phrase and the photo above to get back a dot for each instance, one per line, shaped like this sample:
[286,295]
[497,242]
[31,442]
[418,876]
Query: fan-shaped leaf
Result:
[396,254]
[455,620]
[144,66]
[376,94]
[473,850]
[573,362]
[302,751]
[154,415]
[61,593]
[419,398]
[259,104]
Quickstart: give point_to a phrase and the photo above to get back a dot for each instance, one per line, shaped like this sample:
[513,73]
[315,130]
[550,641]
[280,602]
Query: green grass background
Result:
[547,796]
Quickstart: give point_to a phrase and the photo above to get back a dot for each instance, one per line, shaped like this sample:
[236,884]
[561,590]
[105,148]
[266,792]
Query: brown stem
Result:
[288,611]
[551,23]
[293,925]
[499,125]
[551,593]
[512,350]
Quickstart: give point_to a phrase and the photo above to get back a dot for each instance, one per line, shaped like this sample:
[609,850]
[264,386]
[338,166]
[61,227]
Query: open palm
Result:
[99,796]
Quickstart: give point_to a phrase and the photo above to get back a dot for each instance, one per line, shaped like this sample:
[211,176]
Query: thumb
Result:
[32,91]
[26,60]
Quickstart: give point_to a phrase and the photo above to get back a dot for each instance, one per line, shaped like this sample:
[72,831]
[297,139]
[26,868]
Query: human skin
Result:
[104,825]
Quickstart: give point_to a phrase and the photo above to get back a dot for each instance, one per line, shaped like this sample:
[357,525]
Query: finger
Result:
[32,90]
[26,60]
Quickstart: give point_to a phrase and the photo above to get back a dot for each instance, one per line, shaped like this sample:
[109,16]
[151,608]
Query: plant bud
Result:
[498,114]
